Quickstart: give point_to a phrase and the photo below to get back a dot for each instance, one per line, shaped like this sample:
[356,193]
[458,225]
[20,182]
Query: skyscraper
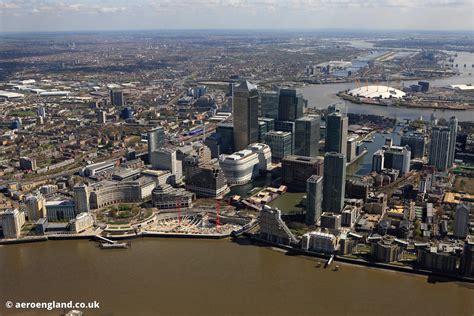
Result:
[334,182]
[307,136]
[398,158]
[439,147]
[336,133]
[116,97]
[314,198]
[245,112]
[165,158]
[453,131]
[416,142]
[156,140]
[461,221]
[290,105]
[12,220]
[269,101]
[226,132]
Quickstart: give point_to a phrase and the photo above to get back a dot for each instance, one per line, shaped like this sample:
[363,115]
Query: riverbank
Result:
[360,262]
[289,249]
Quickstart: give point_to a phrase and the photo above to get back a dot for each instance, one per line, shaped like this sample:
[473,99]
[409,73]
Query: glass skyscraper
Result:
[245,112]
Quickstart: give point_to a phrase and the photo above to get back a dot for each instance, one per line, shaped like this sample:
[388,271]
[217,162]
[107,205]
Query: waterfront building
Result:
[166,197]
[82,222]
[453,131]
[273,228]
[81,198]
[60,210]
[334,182]
[307,136]
[319,242]
[378,160]
[461,221]
[351,153]
[314,199]
[108,192]
[269,101]
[155,139]
[290,105]
[12,221]
[440,147]
[116,98]
[416,142]
[226,132]
[27,163]
[207,180]
[398,158]
[264,154]
[245,114]
[36,206]
[467,260]
[280,144]
[240,167]
[296,170]
[331,221]
[385,249]
[166,159]
[437,259]
[336,133]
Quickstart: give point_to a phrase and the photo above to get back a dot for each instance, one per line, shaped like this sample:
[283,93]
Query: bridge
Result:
[105,239]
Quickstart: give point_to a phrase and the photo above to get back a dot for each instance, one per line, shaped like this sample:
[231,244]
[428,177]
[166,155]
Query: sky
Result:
[85,15]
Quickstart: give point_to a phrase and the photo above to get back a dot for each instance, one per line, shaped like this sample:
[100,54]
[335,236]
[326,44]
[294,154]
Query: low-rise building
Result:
[82,222]
[166,197]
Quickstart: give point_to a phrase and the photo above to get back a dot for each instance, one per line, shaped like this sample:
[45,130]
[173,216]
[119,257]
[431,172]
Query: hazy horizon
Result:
[154,15]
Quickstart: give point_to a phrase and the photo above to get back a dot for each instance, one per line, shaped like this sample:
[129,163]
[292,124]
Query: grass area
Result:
[464,184]
[22,113]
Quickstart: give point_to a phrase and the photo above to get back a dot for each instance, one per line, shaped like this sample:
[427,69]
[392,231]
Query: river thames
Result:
[213,277]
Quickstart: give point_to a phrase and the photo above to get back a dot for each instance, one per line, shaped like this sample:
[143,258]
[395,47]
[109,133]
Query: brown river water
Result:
[212,277]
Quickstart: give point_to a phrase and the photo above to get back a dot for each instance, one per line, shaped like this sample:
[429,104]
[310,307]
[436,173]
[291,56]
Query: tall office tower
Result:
[245,112]
[334,182]
[314,199]
[12,220]
[226,132]
[398,158]
[336,133]
[36,206]
[378,160]
[307,136]
[416,142]
[290,105]
[101,117]
[280,144]
[439,147]
[156,140]
[81,198]
[461,221]
[199,91]
[287,126]
[116,97]
[165,158]
[453,131]
[269,101]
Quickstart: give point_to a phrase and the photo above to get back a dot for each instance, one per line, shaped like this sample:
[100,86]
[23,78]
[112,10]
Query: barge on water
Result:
[123,245]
